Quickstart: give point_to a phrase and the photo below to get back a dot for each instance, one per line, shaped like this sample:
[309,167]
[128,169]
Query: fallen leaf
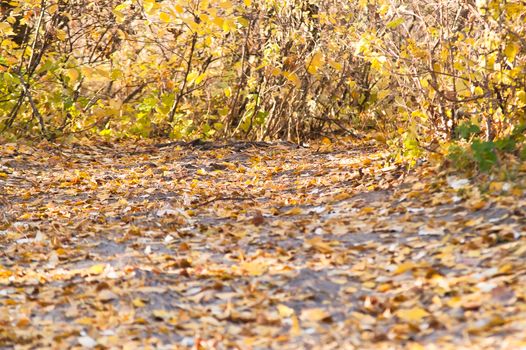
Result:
[318,244]
[456,183]
[97,269]
[107,295]
[138,302]
[285,311]
[315,315]
[413,315]
[254,268]
[294,211]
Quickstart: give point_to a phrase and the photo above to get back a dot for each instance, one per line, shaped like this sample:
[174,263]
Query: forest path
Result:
[254,246]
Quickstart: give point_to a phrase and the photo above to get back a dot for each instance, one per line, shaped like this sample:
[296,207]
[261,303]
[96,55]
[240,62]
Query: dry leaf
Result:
[413,315]
[315,315]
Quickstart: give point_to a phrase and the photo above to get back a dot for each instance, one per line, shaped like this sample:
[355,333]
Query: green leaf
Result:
[466,130]
[506,145]
[484,154]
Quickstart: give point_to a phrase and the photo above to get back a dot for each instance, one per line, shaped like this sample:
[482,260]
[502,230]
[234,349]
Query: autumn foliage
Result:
[420,72]
[262,174]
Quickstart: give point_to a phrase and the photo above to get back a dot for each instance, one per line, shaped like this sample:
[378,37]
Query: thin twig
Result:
[33,105]
[177,100]
[338,124]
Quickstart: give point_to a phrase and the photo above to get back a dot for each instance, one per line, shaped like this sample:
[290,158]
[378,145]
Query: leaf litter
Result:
[254,247]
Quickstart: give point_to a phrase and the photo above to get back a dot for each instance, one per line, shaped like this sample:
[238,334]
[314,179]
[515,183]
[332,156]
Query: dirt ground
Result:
[254,246]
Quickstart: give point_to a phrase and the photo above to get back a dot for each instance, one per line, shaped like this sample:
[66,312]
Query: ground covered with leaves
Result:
[255,246]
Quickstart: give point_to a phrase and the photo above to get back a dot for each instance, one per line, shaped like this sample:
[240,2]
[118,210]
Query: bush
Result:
[266,69]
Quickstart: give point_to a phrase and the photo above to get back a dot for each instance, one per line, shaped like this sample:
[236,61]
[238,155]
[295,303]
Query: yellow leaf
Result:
[87,72]
[382,94]
[164,17]
[511,51]
[228,25]
[486,324]
[5,27]
[496,186]
[384,287]
[162,314]
[285,311]
[395,23]
[367,210]
[315,63]
[415,346]
[150,6]
[24,322]
[369,284]
[120,7]
[293,78]
[204,18]
[225,5]
[191,23]
[402,268]
[97,269]
[477,205]
[454,302]
[192,76]
[413,315]
[295,329]
[219,21]
[72,74]
[315,315]
[25,216]
[52,8]
[86,321]
[254,268]
[336,65]
[5,273]
[275,71]
[294,211]
[504,269]
[138,302]
[243,21]
[378,62]
[318,244]
[61,34]
[478,90]
[200,78]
